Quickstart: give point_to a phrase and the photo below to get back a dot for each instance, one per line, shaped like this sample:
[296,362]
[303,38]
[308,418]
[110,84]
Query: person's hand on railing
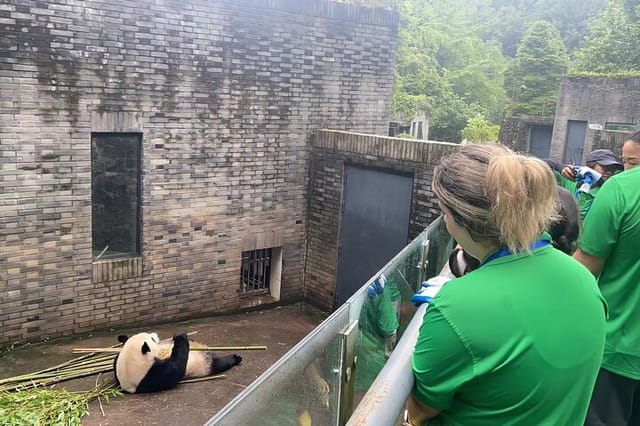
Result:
[429,289]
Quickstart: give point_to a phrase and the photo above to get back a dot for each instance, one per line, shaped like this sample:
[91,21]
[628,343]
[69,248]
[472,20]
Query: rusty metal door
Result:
[374,225]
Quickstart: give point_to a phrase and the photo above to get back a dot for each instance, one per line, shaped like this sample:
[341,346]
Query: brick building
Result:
[183,129]
[588,106]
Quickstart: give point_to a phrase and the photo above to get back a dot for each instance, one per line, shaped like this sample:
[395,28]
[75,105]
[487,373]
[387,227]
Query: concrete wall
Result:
[331,151]
[610,140]
[596,101]
[225,93]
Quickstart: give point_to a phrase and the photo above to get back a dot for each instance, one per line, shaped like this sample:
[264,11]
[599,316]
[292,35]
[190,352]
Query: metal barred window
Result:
[255,272]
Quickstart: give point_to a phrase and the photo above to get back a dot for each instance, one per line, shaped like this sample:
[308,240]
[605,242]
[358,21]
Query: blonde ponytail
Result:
[522,193]
[498,196]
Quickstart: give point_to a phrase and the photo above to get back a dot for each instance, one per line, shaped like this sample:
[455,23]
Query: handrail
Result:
[385,399]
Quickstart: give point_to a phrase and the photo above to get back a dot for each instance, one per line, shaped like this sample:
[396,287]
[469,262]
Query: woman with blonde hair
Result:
[519,340]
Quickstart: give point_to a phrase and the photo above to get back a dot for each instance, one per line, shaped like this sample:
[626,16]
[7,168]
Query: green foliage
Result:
[616,74]
[611,43]
[457,59]
[405,136]
[478,130]
[49,407]
[445,69]
[535,74]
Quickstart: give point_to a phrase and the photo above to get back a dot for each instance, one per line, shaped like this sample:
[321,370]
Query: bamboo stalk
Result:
[202,379]
[207,348]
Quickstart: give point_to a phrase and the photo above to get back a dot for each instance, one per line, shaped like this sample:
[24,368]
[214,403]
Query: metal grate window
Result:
[255,272]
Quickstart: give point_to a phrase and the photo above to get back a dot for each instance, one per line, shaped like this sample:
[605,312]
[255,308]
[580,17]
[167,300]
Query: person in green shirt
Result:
[519,340]
[601,161]
[377,328]
[609,248]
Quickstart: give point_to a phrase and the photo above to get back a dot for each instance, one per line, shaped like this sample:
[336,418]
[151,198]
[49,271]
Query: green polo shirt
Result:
[518,341]
[612,232]
[378,319]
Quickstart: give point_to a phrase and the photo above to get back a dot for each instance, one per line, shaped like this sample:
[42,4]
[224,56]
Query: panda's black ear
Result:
[123,338]
[145,348]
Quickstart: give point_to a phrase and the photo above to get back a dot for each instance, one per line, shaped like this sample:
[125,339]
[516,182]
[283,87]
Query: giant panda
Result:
[146,364]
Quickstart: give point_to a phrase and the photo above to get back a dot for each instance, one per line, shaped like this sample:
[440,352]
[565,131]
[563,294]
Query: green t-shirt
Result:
[518,341]
[612,232]
[585,200]
[378,319]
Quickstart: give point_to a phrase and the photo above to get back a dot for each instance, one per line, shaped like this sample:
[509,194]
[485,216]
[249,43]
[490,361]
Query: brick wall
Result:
[226,94]
[331,150]
[515,132]
[512,134]
[595,101]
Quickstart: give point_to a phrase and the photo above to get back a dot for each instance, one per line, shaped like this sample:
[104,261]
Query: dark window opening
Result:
[115,194]
[255,272]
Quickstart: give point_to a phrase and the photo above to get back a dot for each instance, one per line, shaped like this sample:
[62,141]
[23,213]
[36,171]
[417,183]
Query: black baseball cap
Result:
[604,157]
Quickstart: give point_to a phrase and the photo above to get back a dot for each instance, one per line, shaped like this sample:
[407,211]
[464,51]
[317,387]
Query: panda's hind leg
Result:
[224,363]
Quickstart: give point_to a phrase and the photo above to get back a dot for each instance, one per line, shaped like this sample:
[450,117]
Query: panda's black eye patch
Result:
[145,348]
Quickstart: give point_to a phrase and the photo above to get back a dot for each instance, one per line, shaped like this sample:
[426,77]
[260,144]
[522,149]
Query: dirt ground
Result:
[192,403]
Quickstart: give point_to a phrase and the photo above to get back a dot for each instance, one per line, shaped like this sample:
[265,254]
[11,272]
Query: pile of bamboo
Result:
[30,398]
[86,365]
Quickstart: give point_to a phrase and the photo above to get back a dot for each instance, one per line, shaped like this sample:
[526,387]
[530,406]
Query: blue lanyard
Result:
[505,252]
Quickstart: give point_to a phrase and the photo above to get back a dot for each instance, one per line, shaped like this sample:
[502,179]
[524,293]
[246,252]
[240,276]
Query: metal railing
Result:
[342,364]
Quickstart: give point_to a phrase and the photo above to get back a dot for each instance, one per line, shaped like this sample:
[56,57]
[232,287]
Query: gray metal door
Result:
[576,131]
[374,226]
[540,141]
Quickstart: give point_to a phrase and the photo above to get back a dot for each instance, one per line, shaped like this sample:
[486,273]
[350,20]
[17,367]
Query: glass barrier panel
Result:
[304,386]
[387,310]
[310,399]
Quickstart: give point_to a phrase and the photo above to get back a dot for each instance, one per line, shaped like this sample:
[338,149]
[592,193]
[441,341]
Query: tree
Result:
[610,45]
[534,76]
[444,68]
[478,130]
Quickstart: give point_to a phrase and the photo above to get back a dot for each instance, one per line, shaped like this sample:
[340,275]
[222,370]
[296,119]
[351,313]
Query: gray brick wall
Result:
[596,101]
[515,132]
[226,94]
[331,150]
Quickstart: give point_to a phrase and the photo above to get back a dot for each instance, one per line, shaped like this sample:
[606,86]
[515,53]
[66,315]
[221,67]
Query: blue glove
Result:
[428,290]
[586,177]
[377,286]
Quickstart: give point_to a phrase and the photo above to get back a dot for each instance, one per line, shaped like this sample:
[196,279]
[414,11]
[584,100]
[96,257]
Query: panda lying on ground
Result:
[146,364]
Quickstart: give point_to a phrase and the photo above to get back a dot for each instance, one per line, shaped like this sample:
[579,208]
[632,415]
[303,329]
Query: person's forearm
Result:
[593,263]
[419,413]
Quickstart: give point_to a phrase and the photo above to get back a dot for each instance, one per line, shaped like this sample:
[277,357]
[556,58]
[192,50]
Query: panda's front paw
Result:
[180,338]
[237,359]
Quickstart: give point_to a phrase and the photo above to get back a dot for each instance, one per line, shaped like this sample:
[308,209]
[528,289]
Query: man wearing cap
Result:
[585,182]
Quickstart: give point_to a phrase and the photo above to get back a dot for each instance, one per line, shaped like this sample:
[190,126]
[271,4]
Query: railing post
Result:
[347,374]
